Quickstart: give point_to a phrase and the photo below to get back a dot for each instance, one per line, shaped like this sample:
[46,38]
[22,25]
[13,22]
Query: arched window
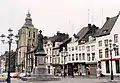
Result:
[29,33]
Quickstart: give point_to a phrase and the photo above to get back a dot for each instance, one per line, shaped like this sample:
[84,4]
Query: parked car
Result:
[22,75]
[16,75]
[3,77]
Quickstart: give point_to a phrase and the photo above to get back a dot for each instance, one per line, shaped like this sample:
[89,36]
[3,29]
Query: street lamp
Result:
[65,54]
[10,40]
[16,57]
[114,48]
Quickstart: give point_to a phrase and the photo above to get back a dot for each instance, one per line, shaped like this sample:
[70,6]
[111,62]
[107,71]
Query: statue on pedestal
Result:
[40,42]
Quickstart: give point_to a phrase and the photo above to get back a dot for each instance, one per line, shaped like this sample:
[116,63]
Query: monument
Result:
[40,56]
[40,72]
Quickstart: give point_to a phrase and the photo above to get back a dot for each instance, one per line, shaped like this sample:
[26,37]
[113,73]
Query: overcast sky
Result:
[67,16]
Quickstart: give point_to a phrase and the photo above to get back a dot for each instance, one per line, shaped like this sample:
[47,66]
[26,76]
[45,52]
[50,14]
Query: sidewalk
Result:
[76,79]
[95,77]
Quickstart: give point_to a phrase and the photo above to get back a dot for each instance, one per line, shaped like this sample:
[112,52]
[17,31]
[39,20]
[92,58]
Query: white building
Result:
[110,30]
[53,48]
[2,66]
[81,50]
[2,63]
[48,47]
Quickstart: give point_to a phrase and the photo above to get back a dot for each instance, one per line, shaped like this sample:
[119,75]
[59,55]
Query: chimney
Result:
[58,32]
[89,25]
[90,28]
[107,18]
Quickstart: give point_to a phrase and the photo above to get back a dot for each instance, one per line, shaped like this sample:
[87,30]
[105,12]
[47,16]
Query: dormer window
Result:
[82,41]
[115,38]
[90,38]
[105,31]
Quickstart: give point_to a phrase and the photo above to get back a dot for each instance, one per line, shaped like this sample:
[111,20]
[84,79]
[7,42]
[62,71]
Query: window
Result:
[88,57]
[50,59]
[88,48]
[99,43]
[61,58]
[83,56]
[76,56]
[100,53]
[72,57]
[116,51]
[49,69]
[72,48]
[106,42]
[93,56]
[115,38]
[107,67]
[106,53]
[33,42]
[83,47]
[69,49]
[29,33]
[55,52]
[117,63]
[69,57]
[93,47]
[79,48]
[75,47]
[79,56]
[33,34]
[65,59]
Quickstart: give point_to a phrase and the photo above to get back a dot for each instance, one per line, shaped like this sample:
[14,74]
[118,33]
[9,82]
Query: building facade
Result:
[2,63]
[109,31]
[27,42]
[53,48]
[82,51]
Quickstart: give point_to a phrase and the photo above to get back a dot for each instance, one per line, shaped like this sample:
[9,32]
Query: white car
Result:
[22,74]
[3,77]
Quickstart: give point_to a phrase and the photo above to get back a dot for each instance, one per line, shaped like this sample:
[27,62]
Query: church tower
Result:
[27,42]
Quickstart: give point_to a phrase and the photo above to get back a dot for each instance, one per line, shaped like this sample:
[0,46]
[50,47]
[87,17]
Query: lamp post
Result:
[65,54]
[16,58]
[114,48]
[10,40]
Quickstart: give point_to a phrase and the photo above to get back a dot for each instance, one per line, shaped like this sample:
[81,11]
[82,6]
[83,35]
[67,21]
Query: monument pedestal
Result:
[40,72]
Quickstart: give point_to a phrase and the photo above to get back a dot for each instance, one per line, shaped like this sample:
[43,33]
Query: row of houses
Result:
[4,59]
[91,47]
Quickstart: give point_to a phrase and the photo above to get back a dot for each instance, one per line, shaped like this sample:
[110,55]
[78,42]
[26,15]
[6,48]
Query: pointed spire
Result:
[28,11]
[28,21]
[28,15]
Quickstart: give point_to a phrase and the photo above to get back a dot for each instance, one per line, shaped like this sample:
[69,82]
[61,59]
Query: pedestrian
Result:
[80,71]
[66,72]
[72,72]
[62,72]
[98,72]
[88,69]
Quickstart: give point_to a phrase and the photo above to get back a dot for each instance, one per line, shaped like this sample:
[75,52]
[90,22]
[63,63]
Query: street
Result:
[67,80]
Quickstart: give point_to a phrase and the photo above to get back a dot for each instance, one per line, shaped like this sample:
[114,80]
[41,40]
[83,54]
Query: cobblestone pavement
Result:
[69,80]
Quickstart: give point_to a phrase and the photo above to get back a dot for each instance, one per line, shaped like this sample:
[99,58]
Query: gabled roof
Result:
[107,27]
[82,33]
[85,32]
[60,37]
[65,42]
